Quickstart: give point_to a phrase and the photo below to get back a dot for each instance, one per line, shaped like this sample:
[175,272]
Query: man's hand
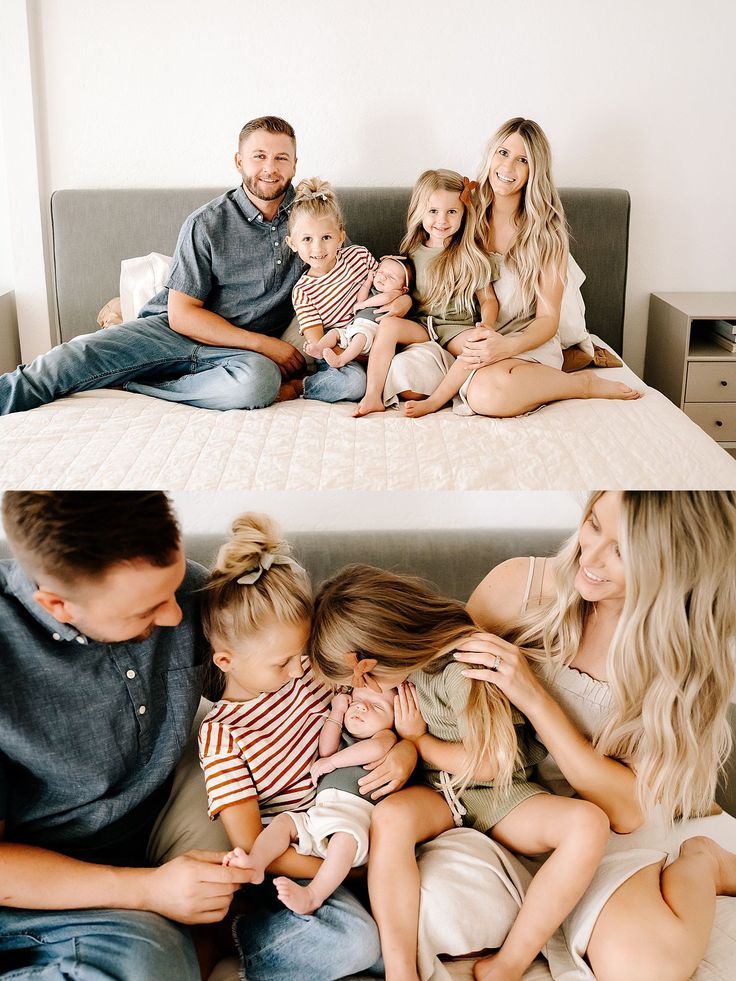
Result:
[290,361]
[193,888]
[409,722]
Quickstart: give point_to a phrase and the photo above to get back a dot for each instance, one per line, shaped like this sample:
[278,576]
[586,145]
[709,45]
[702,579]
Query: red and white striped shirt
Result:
[264,748]
[327,301]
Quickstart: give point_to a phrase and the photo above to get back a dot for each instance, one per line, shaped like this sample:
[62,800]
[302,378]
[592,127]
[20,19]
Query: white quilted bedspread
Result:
[115,439]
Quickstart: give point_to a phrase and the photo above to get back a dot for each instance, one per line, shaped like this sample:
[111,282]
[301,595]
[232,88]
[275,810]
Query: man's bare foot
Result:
[602,388]
[332,359]
[416,409]
[240,859]
[290,390]
[492,968]
[299,899]
[369,405]
[724,861]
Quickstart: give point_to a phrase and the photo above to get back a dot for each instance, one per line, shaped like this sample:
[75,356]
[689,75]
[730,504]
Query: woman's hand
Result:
[397,308]
[390,773]
[486,346]
[504,665]
[408,720]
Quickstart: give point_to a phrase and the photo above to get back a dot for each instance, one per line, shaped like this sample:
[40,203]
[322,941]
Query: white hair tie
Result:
[279,556]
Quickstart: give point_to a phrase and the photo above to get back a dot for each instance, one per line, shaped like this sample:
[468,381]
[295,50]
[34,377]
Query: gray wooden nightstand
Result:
[687,365]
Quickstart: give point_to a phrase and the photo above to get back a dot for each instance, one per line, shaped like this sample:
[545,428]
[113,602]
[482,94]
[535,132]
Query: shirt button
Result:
[81,640]
[141,710]
[130,673]
[56,636]
[278,262]
[273,228]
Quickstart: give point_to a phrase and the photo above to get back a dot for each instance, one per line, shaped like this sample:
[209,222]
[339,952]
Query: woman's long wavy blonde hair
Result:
[231,610]
[541,241]
[462,268]
[401,622]
[671,660]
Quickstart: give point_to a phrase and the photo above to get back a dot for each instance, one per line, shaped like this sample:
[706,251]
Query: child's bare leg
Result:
[332,873]
[512,387]
[576,833]
[351,352]
[399,823]
[446,390]
[327,340]
[272,842]
[391,331]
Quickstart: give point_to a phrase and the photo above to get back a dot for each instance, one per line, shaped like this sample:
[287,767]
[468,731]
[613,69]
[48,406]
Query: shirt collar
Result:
[252,213]
[23,589]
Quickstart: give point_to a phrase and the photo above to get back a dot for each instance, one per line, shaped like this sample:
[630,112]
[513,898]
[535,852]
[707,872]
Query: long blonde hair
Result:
[315,198]
[541,240]
[462,267]
[402,623]
[232,609]
[671,660]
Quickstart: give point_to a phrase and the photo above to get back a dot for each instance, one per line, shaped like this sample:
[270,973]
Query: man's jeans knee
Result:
[94,945]
[336,384]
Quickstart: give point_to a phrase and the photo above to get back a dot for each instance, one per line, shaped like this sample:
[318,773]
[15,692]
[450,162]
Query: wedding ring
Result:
[497,661]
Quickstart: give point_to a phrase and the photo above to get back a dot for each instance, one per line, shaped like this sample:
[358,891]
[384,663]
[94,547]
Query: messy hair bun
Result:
[315,198]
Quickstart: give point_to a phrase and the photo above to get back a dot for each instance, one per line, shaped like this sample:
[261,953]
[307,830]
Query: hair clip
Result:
[279,556]
[468,188]
[361,669]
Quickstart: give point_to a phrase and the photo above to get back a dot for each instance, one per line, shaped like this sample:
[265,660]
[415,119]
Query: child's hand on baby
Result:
[319,769]
[341,703]
[408,720]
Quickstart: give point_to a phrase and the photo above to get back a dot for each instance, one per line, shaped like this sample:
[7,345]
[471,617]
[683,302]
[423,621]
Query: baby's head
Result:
[369,712]
[256,612]
[393,273]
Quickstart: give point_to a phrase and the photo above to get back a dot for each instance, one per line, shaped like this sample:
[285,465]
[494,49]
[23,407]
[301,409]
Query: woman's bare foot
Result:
[368,405]
[603,388]
[240,859]
[725,861]
[289,390]
[332,359]
[492,968]
[299,899]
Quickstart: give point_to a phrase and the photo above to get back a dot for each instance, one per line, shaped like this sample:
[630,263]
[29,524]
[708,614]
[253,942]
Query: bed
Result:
[115,439]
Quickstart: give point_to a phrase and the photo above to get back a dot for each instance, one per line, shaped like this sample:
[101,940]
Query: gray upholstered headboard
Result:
[93,230]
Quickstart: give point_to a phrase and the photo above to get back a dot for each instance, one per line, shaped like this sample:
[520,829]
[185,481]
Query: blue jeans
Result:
[94,945]
[340,938]
[146,356]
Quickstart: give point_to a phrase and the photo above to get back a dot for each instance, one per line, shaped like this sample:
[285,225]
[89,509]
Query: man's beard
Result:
[265,192]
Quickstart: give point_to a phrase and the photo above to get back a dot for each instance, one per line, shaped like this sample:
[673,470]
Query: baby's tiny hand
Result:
[319,769]
[341,703]
[409,722]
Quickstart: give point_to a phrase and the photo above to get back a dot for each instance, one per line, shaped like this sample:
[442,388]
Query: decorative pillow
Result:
[572,329]
[140,279]
[110,314]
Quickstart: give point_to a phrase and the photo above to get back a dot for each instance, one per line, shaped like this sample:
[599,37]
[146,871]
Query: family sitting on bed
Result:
[484,274]
[357,725]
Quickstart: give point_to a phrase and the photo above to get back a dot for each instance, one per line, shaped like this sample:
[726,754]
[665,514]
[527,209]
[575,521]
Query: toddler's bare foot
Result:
[602,388]
[416,409]
[332,359]
[239,858]
[369,405]
[299,899]
[313,349]
[290,390]
[725,861]
[492,968]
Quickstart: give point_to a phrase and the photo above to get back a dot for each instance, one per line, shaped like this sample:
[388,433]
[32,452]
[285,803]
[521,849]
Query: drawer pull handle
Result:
[718,423]
[724,383]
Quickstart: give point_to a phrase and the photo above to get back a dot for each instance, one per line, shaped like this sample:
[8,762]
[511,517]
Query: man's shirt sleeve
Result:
[191,267]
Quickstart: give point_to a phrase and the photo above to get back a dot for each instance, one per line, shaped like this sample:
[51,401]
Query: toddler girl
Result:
[260,739]
[476,754]
[453,277]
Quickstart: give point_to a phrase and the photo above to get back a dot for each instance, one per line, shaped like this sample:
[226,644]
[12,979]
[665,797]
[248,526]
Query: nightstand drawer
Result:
[711,381]
[718,419]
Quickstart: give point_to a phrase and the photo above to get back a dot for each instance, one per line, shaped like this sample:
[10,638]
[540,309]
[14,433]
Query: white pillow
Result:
[572,329]
[140,279]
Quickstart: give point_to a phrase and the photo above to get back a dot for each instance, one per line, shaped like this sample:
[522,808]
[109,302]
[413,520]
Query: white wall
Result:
[632,94]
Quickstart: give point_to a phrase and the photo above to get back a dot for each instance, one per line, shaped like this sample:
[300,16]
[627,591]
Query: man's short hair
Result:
[81,534]
[272,124]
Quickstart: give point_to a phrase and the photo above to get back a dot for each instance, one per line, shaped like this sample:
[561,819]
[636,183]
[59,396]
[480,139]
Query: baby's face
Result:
[369,712]
[389,276]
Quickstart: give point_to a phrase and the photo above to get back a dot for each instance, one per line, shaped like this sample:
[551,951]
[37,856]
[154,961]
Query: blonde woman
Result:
[516,367]
[452,284]
[629,632]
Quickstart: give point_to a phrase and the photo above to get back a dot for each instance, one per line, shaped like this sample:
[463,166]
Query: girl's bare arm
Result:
[243,825]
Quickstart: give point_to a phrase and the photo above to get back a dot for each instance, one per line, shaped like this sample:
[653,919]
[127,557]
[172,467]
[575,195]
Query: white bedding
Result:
[115,439]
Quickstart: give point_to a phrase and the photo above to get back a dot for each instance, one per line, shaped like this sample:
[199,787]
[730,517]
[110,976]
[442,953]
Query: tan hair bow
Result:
[361,668]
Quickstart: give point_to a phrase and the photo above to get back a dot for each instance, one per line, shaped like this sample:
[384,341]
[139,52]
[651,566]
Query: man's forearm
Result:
[206,327]
[35,878]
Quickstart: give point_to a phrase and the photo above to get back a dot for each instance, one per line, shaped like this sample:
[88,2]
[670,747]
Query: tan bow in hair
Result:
[361,669]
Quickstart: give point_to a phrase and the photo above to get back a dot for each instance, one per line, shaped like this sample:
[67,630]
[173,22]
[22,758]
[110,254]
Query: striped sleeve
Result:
[305,310]
[226,775]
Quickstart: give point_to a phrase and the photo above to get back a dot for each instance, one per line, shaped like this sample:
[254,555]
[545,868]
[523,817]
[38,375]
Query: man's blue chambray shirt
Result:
[238,263]
[90,732]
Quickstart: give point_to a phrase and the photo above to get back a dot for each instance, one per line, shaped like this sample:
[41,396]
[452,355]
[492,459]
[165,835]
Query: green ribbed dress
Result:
[442,700]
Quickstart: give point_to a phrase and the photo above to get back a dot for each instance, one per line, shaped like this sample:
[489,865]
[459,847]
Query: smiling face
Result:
[442,217]
[369,712]
[389,276]
[601,576]
[264,661]
[317,241]
[509,170]
[267,163]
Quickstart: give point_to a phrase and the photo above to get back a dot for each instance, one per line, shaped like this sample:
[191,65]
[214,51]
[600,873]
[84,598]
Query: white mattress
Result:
[115,439]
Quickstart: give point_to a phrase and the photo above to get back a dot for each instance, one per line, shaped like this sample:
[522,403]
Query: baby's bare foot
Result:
[332,359]
[240,859]
[313,349]
[369,405]
[602,388]
[299,899]
[724,861]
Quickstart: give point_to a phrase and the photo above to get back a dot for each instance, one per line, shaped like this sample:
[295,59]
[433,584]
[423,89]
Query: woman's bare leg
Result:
[657,924]
[391,331]
[399,823]
[512,387]
[576,832]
